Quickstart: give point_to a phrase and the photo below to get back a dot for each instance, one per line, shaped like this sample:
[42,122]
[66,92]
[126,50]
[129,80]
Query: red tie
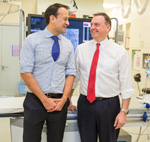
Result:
[92,76]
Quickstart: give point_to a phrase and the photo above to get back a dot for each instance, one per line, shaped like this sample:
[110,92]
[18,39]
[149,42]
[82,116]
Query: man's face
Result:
[61,21]
[99,29]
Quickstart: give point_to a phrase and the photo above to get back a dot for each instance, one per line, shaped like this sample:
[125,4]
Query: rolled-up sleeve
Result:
[27,56]
[77,78]
[125,77]
[70,66]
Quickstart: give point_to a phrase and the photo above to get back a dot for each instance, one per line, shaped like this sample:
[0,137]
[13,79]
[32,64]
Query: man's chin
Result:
[64,31]
[93,36]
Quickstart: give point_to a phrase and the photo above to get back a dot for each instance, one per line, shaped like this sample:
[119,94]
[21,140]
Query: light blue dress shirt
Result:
[36,58]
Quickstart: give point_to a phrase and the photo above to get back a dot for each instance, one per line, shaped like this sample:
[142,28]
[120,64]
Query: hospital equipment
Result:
[77,32]
[71,130]
[73,6]
[13,107]
[22,87]
[137,78]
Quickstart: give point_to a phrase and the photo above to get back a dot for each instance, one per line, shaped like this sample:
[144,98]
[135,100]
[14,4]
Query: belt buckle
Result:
[48,95]
[99,98]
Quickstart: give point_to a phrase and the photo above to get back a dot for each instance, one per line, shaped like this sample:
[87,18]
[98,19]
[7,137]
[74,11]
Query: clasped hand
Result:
[52,104]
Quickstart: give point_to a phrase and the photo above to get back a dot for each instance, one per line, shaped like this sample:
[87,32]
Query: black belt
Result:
[99,98]
[53,95]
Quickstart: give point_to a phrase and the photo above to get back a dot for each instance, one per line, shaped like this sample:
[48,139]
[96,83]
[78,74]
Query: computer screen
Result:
[77,32]
[35,23]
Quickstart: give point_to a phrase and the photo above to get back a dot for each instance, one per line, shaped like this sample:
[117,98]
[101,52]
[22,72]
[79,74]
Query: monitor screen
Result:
[77,32]
[35,23]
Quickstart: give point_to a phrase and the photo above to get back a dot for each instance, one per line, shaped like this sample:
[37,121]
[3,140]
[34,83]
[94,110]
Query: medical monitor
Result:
[77,32]
[35,23]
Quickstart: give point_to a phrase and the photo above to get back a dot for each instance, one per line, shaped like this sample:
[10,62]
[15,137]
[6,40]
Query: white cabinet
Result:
[9,64]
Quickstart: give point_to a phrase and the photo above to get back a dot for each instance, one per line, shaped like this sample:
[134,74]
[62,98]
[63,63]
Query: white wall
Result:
[13,17]
[139,37]
[85,7]
[139,31]
[28,6]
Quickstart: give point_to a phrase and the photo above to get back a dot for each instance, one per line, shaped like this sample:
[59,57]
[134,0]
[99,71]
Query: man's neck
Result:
[51,29]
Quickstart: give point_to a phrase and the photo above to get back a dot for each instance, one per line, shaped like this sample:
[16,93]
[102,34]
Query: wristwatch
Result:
[126,111]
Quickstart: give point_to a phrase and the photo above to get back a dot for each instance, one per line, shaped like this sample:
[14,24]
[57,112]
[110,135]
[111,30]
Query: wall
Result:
[139,32]
[11,18]
[85,7]
[38,6]
[138,35]
[9,60]
[26,5]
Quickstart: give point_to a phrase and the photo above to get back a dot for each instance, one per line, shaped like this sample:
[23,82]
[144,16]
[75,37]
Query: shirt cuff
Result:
[24,69]
[127,94]
[70,73]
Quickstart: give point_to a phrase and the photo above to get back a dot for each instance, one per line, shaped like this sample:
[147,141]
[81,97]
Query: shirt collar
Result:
[102,43]
[48,34]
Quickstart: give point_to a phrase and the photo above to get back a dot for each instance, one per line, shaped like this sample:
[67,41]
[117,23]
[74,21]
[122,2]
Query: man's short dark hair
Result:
[107,18]
[53,10]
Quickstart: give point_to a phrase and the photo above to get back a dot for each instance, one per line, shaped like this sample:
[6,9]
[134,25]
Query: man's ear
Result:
[108,28]
[52,18]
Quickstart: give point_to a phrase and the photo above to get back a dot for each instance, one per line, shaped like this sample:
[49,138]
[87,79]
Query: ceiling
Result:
[117,2]
[112,1]
[107,4]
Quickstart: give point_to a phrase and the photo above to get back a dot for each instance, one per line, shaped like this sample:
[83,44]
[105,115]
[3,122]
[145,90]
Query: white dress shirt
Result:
[113,73]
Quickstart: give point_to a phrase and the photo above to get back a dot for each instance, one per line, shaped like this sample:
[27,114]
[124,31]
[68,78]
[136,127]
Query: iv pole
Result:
[21,33]
[116,34]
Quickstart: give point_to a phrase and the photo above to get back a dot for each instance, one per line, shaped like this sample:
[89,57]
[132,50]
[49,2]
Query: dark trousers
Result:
[97,119]
[35,115]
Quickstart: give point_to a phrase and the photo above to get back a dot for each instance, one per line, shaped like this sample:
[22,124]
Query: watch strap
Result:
[126,111]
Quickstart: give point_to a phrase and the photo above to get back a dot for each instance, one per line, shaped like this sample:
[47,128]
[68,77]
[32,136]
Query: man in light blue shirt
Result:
[48,81]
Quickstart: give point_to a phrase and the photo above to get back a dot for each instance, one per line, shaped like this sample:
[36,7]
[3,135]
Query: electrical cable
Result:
[6,14]
[10,11]
[139,134]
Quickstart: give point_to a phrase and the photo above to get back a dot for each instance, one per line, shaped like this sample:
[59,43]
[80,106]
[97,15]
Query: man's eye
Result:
[65,19]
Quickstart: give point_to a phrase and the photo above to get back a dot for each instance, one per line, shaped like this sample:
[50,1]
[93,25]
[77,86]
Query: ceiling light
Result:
[107,5]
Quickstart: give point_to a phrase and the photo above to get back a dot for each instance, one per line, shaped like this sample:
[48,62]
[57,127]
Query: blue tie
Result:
[55,48]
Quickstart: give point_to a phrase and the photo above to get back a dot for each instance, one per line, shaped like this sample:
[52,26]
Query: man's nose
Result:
[67,22]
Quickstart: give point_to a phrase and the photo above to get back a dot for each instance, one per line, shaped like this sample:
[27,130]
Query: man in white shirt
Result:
[101,116]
